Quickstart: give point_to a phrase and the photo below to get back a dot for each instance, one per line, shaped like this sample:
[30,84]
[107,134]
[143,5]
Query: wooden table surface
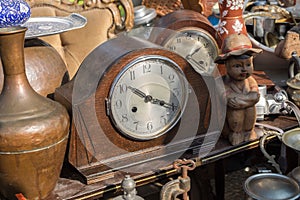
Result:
[69,185]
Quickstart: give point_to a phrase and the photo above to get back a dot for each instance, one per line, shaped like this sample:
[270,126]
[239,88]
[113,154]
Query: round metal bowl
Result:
[271,186]
[291,139]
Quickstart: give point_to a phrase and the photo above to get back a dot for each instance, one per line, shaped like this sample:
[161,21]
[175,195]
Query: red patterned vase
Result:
[231,18]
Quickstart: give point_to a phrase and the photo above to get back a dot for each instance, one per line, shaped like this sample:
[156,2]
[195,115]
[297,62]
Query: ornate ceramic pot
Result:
[231,18]
[13,12]
[33,129]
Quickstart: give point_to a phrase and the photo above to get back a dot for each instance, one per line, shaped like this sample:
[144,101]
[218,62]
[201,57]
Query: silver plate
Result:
[44,26]
[271,186]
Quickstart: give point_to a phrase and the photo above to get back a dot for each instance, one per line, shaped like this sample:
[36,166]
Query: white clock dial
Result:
[148,97]
[196,46]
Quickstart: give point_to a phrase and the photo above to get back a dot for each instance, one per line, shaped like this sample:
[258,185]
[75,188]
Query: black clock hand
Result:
[137,92]
[149,98]
[196,50]
[163,103]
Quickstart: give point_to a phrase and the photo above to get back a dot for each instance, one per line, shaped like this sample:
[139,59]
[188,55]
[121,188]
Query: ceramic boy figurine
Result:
[241,89]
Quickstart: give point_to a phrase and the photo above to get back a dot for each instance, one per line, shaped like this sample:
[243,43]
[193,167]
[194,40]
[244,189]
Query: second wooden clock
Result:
[191,35]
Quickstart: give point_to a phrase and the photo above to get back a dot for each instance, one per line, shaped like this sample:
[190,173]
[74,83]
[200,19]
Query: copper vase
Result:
[44,67]
[33,129]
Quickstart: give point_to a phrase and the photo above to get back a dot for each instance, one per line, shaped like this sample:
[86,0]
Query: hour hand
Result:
[149,98]
[164,104]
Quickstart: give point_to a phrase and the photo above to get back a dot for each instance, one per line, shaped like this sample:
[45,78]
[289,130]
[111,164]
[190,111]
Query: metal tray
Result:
[271,186]
[44,26]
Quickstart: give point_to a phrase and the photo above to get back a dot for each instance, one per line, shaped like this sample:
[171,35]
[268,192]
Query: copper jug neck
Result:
[17,95]
[12,46]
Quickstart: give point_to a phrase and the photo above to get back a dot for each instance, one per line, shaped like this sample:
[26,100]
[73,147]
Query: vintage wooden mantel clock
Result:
[136,107]
[191,35]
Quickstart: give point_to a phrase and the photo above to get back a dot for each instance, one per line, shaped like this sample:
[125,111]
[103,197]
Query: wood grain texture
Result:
[202,6]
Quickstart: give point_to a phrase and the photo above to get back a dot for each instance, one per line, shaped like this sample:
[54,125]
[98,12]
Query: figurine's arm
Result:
[244,100]
[241,101]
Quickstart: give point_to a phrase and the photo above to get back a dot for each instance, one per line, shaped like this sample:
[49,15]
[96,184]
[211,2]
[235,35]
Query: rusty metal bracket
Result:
[180,186]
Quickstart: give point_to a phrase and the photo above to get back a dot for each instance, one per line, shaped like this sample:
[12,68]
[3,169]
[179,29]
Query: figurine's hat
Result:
[235,45]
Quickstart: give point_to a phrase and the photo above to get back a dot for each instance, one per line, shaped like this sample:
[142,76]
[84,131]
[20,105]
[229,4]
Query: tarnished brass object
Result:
[278,11]
[33,129]
[130,193]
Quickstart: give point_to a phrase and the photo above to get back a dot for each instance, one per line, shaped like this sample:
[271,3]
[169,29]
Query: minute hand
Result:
[137,92]
[196,50]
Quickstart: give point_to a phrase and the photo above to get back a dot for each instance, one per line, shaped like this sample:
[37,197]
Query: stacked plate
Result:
[271,186]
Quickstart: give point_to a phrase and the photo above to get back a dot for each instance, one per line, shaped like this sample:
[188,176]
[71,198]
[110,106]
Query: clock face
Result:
[147,97]
[196,45]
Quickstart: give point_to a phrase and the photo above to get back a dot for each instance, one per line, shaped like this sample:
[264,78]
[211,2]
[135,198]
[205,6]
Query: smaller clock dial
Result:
[195,45]
[191,35]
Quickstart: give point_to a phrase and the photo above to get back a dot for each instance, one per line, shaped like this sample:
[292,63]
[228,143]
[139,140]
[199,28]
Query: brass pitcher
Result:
[33,128]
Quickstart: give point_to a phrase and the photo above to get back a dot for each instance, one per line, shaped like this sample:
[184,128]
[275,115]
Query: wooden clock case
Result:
[97,150]
[185,19]
[178,20]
